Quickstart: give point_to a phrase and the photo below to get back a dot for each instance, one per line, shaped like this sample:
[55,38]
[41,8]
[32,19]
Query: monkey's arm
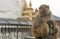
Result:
[36,21]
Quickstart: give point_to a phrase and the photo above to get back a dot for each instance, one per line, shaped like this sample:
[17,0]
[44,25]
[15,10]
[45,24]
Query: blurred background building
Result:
[16,21]
[28,13]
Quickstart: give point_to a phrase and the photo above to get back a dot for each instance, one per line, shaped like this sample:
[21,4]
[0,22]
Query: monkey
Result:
[39,24]
[54,28]
[40,27]
[43,15]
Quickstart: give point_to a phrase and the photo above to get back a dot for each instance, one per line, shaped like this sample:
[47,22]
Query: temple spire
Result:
[25,4]
[30,4]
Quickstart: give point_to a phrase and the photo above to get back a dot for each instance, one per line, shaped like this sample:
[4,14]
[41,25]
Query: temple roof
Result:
[56,18]
[5,21]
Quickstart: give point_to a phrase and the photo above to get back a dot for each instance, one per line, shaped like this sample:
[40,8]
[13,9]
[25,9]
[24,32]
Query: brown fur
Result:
[40,27]
[40,31]
[55,27]
[43,15]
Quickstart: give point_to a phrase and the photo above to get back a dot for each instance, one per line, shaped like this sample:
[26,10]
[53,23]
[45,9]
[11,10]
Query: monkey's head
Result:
[52,23]
[44,15]
[44,10]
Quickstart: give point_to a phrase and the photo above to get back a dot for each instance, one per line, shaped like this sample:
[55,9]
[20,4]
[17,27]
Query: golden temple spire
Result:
[30,4]
[25,4]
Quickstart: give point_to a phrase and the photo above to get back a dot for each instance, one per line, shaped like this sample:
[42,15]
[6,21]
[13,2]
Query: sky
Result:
[10,9]
[53,4]
[13,8]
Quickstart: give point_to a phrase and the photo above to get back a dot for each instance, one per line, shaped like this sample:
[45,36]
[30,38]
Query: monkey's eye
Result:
[40,7]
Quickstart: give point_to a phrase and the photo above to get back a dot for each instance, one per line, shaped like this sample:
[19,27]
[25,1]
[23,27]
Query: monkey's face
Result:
[44,10]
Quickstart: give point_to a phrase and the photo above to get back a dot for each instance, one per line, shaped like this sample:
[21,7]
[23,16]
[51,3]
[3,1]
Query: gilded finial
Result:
[30,4]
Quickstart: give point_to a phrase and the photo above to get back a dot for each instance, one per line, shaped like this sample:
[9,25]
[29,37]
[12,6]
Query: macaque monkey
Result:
[40,28]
